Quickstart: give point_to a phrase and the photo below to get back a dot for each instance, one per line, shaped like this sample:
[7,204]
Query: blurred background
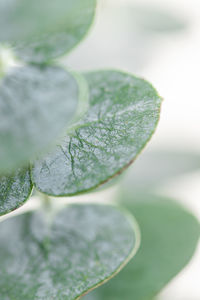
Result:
[160,41]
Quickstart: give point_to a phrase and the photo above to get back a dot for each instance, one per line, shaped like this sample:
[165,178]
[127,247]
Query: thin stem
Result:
[46,201]
[47,208]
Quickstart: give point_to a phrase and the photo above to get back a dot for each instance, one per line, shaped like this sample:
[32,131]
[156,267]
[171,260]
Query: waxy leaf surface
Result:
[73,252]
[169,238]
[122,116]
[36,105]
[40,31]
[14,190]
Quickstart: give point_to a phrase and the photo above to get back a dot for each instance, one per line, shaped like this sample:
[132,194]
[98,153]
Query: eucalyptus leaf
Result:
[83,102]
[14,190]
[36,105]
[122,116]
[40,31]
[62,258]
[169,238]
[155,19]
[154,168]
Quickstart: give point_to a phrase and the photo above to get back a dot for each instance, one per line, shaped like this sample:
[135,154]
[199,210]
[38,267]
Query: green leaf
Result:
[40,31]
[155,19]
[80,248]
[122,116]
[83,102]
[169,238]
[36,105]
[154,168]
[14,190]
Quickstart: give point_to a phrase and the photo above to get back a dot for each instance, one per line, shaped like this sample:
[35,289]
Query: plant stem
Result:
[46,202]
[47,207]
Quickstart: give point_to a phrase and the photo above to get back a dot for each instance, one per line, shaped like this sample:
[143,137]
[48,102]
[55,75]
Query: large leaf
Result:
[43,30]
[123,114]
[36,105]
[78,249]
[169,237]
[14,190]
[154,168]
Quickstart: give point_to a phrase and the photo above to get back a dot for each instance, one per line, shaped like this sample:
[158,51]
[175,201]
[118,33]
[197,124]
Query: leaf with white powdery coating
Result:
[169,236]
[80,248]
[40,31]
[122,116]
[14,190]
[36,106]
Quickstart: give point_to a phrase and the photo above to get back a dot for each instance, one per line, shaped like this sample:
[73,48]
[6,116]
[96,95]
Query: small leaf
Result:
[123,114]
[169,238]
[36,105]
[83,247]
[40,31]
[14,190]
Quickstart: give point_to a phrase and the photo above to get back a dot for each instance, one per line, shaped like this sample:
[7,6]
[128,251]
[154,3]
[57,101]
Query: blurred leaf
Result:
[123,114]
[14,190]
[36,105]
[156,167]
[158,19]
[125,37]
[63,258]
[83,103]
[169,238]
[148,18]
[43,30]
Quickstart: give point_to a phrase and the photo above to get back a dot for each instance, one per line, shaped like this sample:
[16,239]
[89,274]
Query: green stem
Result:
[47,208]
[46,203]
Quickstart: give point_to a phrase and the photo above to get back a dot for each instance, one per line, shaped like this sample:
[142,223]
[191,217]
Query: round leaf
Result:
[14,190]
[43,30]
[83,246]
[36,105]
[154,168]
[169,238]
[122,116]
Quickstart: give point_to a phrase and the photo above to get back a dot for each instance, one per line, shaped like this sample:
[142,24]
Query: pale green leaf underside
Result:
[36,105]
[14,190]
[82,247]
[40,31]
[122,116]
[169,238]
